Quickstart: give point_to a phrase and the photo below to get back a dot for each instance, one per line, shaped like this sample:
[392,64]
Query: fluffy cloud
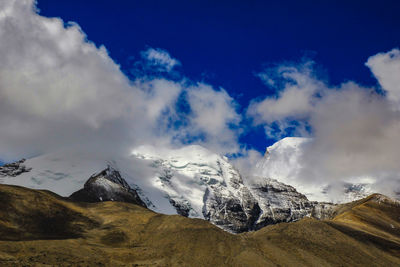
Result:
[57,90]
[213,114]
[245,163]
[386,68]
[298,90]
[160,59]
[355,129]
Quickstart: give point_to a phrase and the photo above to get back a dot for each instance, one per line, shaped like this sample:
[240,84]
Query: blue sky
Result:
[233,76]
[225,43]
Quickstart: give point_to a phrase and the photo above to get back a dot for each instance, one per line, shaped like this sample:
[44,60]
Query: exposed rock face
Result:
[227,203]
[202,184]
[229,212]
[226,200]
[231,206]
[182,206]
[108,185]
[14,169]
[279,202]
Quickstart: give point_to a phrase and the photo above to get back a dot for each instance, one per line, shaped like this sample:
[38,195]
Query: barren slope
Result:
[39,227]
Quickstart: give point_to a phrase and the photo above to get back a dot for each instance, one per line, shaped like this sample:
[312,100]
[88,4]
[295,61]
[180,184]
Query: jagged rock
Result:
[14,169]
[108,185]
[229,212]
[191,181]
[203,186]
[187,175]
[279,202]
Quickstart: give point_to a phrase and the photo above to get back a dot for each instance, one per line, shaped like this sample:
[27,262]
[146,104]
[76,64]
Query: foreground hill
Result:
[40,227]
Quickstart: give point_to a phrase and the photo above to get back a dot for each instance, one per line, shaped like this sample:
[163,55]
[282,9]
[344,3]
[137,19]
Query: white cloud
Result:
[57,90]
[160,59]
[386,68]
[356,134]
[213,113]
[294,101]
[356,131]
[245,163]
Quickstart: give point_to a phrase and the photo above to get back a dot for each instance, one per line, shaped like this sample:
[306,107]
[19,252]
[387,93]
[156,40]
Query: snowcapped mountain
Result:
[191,181]
[282,161]
[202,184]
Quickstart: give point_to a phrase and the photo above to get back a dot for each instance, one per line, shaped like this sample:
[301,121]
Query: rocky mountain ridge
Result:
[226,200]
[191,181]
[107,185]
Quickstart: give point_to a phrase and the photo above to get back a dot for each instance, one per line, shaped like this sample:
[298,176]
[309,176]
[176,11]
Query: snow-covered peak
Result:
[179,157]
[185,174]
[190,181]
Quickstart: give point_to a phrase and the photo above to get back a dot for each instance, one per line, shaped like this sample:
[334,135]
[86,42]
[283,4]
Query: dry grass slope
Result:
[39,228]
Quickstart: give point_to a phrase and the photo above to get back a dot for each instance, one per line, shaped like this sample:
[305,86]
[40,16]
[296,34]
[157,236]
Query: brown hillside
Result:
[39,228]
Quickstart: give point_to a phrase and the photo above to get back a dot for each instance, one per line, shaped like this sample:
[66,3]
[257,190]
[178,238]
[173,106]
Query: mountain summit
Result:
[191,181]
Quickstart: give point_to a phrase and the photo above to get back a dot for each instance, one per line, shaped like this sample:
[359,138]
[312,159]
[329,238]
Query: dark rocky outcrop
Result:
[108,185]
[182,207]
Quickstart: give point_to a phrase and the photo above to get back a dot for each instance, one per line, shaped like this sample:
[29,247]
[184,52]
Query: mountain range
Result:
[187,206]
[191,181]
